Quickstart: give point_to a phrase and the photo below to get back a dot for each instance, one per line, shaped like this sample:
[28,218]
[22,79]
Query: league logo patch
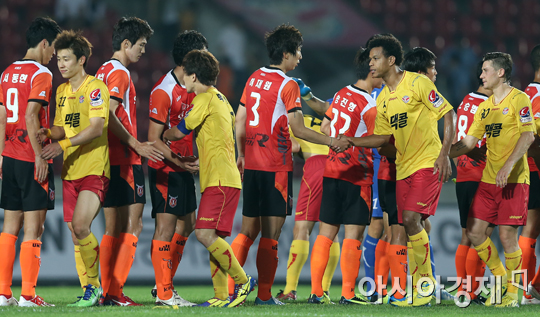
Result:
[435,99]
[505,110]
[140,190]
[51,194]
[81,99]
[95,98]
[525,115]
[172,201]
[405,99]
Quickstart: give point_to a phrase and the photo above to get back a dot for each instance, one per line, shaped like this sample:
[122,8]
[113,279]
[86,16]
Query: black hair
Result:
[479,73]
[419,59]
[283,39]
[43,28]
[391,46]
[186,42]
[132,29]
[76,42]
[361,64]
[535,58]
[203,64]
[500,60]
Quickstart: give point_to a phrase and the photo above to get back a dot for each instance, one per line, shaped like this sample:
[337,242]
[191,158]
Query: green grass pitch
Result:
[62,295]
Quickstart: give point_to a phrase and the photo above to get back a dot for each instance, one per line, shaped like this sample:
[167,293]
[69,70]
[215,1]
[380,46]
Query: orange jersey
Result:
[467,169]
[268,96]
[352,113]
[118,79]
[169,104]
[23,82]
[533,91]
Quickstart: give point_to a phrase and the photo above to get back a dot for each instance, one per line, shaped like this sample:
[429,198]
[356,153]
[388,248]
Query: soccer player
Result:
[82,116]
[213,120]
[502,196]
[531,230]
[409,108]
[270,104]
[172,186]
[347,180]
[124,202]
[27,190]
[469,174]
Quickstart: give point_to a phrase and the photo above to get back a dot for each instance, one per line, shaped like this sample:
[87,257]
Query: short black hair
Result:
[76,42]
[361,63]
[419,59]
[185,42]
[535,58]
[283,39]
[203,64]
[479,73]
[132,29]
[43,28]
[501,60]
[390,44]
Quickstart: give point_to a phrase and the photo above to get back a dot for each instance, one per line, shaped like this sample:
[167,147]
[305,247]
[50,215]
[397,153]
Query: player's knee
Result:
[475,236]
[80,231]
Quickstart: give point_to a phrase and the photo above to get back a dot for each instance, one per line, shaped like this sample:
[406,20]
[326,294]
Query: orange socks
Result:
[351,254]
[475,268]
[382,266]
[319,259]
[397,257]
[30,263]
[267,262]
[461,263]
[161,260]
[7,258]
[108,251]
[240,247]
[123,263]
[178,243]
[528,247]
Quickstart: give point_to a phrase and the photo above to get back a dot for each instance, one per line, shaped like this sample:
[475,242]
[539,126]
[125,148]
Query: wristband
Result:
[49,133]
[65,143]
[308,97]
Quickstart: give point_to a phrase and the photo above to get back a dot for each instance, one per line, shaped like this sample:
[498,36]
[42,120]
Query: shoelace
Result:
[89,291]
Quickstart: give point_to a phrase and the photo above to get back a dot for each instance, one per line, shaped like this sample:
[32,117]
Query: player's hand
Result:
[41,170]
[51,151]
[148,150]
[442,165]
[1,163]
[340,144]
[502,176]
[191,166]
[305,91]
[240,164]
[477,154]
[41,135]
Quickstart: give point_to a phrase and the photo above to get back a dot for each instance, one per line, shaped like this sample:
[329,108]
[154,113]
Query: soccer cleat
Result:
[8,301]
[106,301]
[314,299]
[34,302]
[167,302]
[241,292]
[289,296]
[533,291]
[215,302]
[400,302]
[154,292]
[75,303]
[182,302]
[354,300]
[493,295]
[91,296]
[271,301]
[508,301]
[374,299]
[529,300]
[445,295]
[122,301]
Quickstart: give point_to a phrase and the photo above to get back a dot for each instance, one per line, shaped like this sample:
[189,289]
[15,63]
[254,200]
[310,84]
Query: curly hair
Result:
[390,44]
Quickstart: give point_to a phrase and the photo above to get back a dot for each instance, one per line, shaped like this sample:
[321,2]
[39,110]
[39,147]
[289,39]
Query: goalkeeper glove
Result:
[305,91]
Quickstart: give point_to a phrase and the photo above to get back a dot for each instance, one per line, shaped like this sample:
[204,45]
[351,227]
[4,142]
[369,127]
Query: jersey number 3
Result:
[255,121]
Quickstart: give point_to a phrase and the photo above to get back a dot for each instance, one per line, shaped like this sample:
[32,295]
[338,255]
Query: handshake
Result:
[340,143]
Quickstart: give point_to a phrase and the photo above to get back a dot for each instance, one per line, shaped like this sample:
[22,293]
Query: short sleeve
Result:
[118,84]
[160,104]
[58,117]
[523,113]
[199,112]
[426,92]
[329,114]
[477,129]
[535,103]
[41,88]
[382,126]
[290,94]
[243,98]
[98,100]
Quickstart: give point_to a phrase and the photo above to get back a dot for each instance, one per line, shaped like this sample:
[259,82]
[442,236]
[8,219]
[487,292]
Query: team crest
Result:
[51,194]
[172,201]
[95,98]
[505,110]
[406,99]
[435,99]
[525,115]
[140,190]
[81,99]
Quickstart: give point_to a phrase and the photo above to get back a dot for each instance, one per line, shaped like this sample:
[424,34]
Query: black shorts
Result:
[465,192]
[20,191]
[344,203]
[126,186]
[262,198]
[534,190]
[387,200]
[172,192]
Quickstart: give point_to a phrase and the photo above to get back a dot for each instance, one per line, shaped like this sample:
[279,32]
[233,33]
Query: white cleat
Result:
[182,302]
[11,301]
[168,302]
[529,301]
[37,301]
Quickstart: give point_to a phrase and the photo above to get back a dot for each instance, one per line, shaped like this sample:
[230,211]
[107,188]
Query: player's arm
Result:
[296,122]
[325,126]
[442,164]
[3,123]
[316,104]
[522,145]
[370,141]
[389,150]
[463,146]
[145,149]
[32,125]
[240,125]
[155,130]
[295,146]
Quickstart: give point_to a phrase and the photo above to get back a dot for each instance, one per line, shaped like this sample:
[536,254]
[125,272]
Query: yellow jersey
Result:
[411,113]
[212,118]
[74,109]
[307,147]
[503,124]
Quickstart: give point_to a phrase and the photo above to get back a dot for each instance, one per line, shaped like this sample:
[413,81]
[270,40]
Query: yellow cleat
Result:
[508,301]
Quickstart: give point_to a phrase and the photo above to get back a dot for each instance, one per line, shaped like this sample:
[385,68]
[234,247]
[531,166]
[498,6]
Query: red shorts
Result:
[419,193]
[501,206]
[310,195]
[217,208]
[71,189]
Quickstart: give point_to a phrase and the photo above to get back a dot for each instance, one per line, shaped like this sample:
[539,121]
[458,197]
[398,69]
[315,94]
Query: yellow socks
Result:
[224,255]
[420,247]
[298,255]
[89,251]
[513,263]
[219,279]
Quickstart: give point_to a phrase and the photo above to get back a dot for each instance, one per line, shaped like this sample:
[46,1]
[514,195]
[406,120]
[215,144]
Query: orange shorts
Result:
[501,206]
[419,193]
[310,195]
[217,209]
[71,189]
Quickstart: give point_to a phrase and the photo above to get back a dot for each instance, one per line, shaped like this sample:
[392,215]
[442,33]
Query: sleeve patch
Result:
[95,98]
[525,115]
[435,99]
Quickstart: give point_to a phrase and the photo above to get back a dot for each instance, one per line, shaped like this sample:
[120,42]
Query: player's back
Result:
[352,113]
[268,96]
[23,82]
[533,91]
